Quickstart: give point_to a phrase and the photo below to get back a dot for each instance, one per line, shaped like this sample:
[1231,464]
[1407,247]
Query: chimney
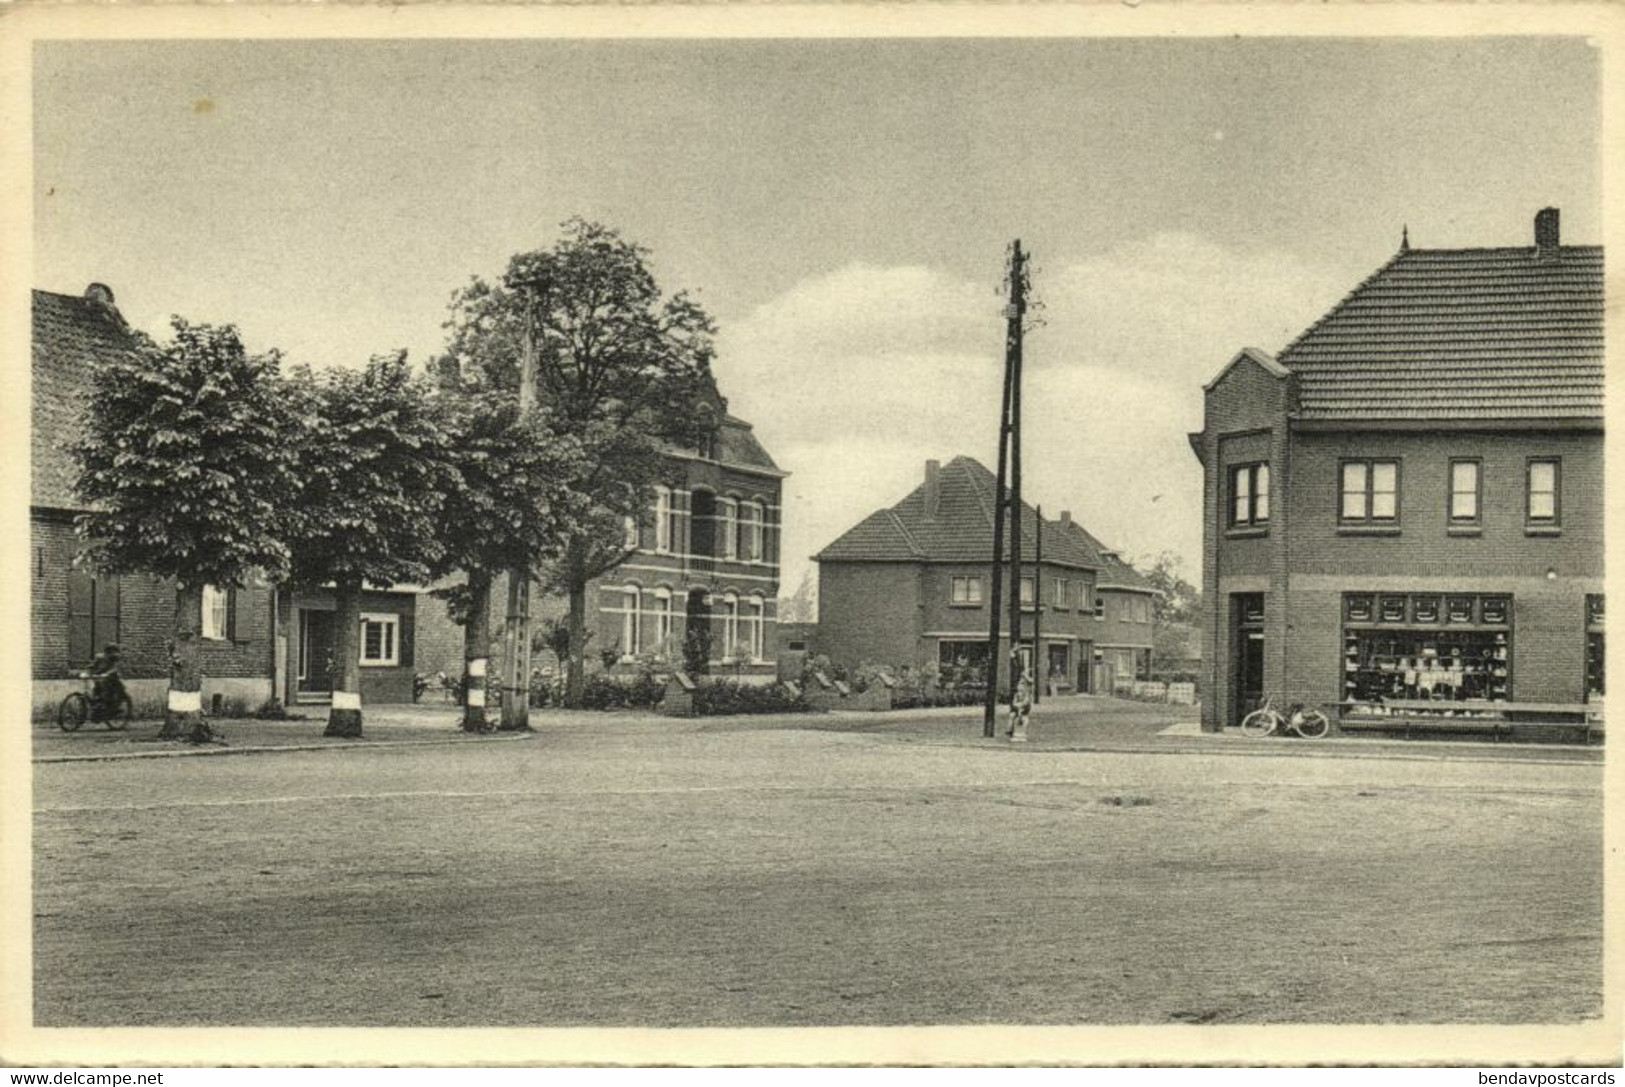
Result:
[1066,517]
[933,489]
[100,293]
[1546,234]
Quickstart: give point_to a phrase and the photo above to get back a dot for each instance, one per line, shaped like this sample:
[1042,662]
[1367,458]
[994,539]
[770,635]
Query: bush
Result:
[725,698]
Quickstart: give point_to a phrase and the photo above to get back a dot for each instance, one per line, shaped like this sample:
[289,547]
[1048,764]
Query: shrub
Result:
[725,698]
[272,709]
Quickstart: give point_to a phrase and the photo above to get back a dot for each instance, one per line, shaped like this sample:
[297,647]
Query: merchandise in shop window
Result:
[1459,609]
[1393,609]
[1425,609]
[1359,608]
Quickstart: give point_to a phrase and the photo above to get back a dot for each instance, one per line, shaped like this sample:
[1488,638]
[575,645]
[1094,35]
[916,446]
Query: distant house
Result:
[908,585]
[1407,505]
[74,611]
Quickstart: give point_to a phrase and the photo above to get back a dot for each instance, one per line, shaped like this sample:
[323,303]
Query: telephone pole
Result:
[1009,456]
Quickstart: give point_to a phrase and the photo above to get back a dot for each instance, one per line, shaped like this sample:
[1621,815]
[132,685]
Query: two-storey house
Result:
[703,575]
[1407,503]
[908,585]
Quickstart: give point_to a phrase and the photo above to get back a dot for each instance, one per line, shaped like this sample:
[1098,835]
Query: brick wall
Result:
[872,611]
[379,683]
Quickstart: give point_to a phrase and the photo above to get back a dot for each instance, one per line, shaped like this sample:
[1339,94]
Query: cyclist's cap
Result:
[111,647]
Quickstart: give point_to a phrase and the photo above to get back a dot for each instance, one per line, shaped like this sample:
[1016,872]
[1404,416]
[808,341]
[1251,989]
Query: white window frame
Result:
[965,590]
[1028,590]
[663,525]
[391,621]
[1059,597]
[755,622]
[751,519]
[662,613]
[629,533]
[631,622]
[216,613]
[727,526]
[730,627]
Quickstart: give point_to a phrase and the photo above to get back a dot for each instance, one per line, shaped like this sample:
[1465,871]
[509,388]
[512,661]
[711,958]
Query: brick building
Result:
[908,585]
[1407,504]
[703,568]
[74,611]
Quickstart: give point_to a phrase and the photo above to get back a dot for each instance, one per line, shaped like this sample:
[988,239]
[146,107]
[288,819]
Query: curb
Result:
[372,745]
[1434,755]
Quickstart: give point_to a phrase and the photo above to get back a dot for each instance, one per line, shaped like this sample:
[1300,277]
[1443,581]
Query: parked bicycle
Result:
[83,705]
[1266,720]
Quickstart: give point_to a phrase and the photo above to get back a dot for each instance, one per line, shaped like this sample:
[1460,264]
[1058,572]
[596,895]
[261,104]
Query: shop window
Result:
[1249,495]
[962,662]
[1467,660]
[1543,504]
[1370,492]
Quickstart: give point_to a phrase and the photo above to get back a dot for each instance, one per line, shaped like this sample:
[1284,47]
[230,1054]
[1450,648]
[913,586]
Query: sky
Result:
[842,208]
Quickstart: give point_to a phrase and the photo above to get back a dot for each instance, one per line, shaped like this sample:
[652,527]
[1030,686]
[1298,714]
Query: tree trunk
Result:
[183,715]
[577,680]
[345,717]
[476,651]
[516,655]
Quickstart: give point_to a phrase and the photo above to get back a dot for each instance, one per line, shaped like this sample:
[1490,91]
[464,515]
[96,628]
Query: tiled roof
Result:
[1114,572]
[962,530]
[1451,334]
[70,334]
[737,444]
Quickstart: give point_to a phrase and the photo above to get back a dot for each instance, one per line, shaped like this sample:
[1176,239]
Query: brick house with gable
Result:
[74,611]
[908,584]
[1405,507]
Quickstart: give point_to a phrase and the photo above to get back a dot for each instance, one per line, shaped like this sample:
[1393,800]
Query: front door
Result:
[1058,670]
[1247,686]
[315,652]
[697,634]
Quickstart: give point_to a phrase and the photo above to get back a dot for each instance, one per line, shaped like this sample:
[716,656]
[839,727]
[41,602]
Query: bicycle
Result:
[1266,720]
[81,706]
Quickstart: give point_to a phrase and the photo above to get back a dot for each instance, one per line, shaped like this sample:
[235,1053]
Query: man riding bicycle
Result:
[108,690]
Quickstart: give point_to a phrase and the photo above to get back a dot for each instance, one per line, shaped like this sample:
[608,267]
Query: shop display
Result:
[1395,657]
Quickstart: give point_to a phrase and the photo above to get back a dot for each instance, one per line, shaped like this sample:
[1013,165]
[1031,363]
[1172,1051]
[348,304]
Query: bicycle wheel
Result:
[1259,723]
[1312,725]
[120,719]
[72,712]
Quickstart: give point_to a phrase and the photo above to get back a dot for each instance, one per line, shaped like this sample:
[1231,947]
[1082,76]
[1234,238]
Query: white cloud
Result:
[855,377]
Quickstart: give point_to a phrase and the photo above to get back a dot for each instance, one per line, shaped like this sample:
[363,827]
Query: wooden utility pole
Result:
[516,632]
[1040,668]
[1009,442]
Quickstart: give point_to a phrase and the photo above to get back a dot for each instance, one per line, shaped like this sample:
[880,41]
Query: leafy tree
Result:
[620,367]
[1177,609]
[375,461]
[511,508]
[186,463]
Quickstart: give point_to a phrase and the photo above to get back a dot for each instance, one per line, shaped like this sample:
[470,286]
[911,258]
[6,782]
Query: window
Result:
[660,604]
[629,532]
[750,531]
[728,612]
[1596,654]
[631,626]
[966,590]
[1100,608]
[1467,659]
[216,613]
[1544,505]
[727,520]
[1142,609]
[1028,592]
[1125,609]
[1464,492]
[1250,495]
[1060,594]
[664,536]
[93,615]
[380,640]
[752,622]
[1370,491]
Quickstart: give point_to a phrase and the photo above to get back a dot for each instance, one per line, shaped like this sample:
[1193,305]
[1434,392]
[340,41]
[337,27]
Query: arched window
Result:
[663,520]
[631,642]
[727,519]
[750,531]
[753,618]
[728,612]
[660,604]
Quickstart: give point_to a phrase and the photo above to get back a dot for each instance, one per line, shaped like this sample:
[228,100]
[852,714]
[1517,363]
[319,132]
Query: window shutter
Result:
[81,617]
[404,654]
[231,615]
